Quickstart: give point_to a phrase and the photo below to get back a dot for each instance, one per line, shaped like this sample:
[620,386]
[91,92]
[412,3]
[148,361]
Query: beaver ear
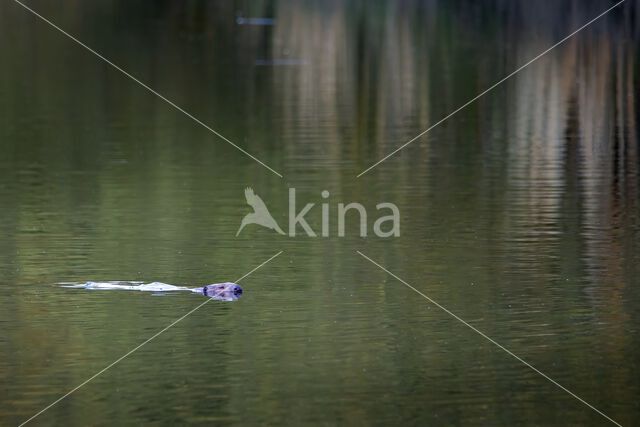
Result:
[209,290]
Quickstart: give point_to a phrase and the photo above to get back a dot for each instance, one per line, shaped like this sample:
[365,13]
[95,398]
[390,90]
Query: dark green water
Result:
[519,214]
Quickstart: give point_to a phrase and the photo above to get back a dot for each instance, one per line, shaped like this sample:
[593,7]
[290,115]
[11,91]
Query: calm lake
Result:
[519,214]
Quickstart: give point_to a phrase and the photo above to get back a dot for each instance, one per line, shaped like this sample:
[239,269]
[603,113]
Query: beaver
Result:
[226,291]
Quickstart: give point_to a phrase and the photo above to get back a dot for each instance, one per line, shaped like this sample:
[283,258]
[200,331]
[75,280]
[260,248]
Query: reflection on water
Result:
[520,213]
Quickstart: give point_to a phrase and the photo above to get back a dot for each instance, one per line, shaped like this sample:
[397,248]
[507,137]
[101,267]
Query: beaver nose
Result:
[237,290]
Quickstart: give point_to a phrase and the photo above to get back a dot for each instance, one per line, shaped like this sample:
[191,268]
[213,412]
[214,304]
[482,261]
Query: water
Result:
[519,214]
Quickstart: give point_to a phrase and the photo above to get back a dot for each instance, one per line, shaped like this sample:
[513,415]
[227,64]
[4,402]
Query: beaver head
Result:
[223,291]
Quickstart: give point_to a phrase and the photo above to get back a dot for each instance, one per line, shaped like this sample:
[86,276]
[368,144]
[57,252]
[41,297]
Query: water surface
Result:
[519,214]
